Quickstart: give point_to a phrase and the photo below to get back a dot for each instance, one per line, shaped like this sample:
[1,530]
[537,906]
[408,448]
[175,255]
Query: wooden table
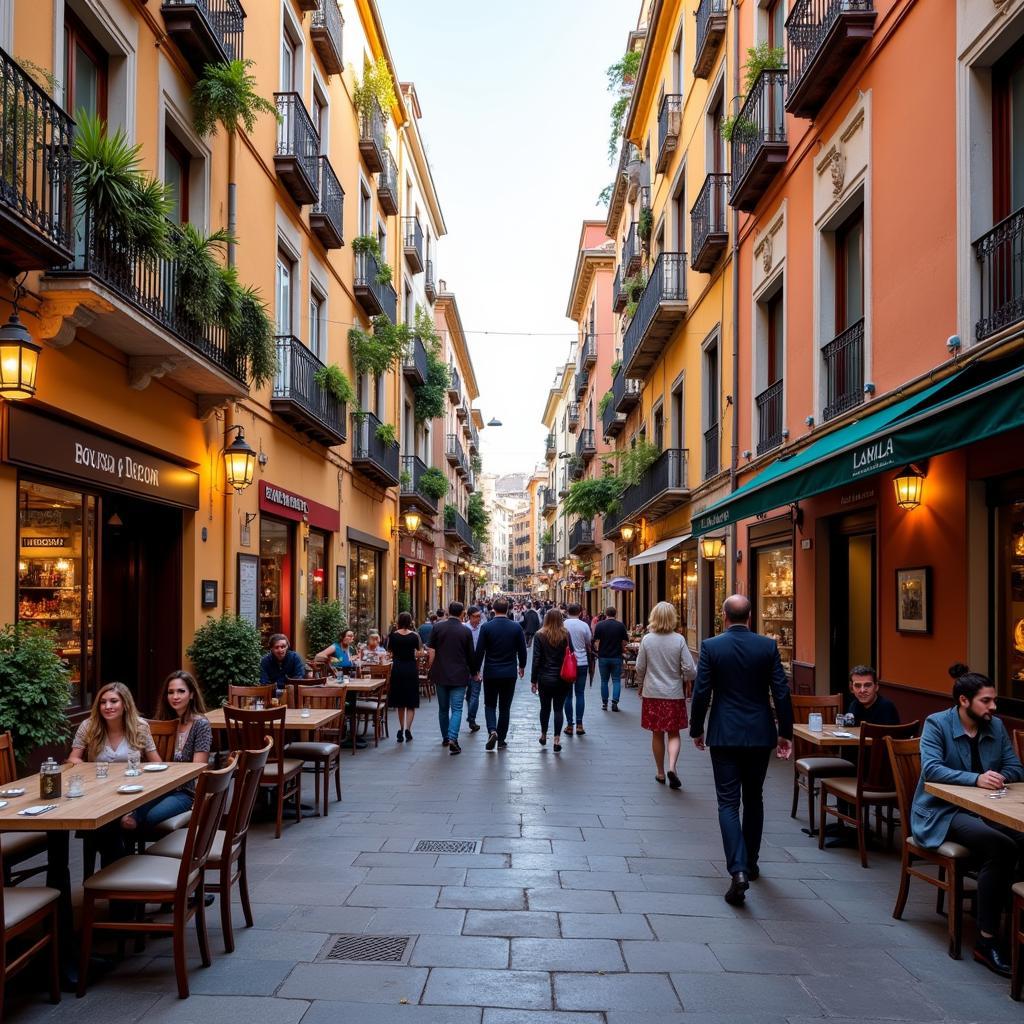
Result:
[827,737]
[1007,810]
[294,719]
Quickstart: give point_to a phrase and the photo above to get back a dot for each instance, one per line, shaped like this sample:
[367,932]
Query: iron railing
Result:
[707,216]
[630,250]
[549,554]
[550,445]
[807,28]
[1000,256]
[297,135]
[581,383]
[152,286]
[585,444]
[572,415]
[413,235]
[588,352]
[704,12]
[371,137]
[609,417]
[35,165]
[429,284]
[415,357]
[327,20]
[454,383]
[455,523]
[474,437]
[769,418]
[330,202]
[711,454]
[455,450]
[618,292]
[225,18]
[667,284]
[295,381]
[367,271]
[411,479]
[387,183]
[369,447]
[575,467]
[844,371]
[549,500]
[667,473]
[761,121]
[626,391]
[581,535]
[670,116]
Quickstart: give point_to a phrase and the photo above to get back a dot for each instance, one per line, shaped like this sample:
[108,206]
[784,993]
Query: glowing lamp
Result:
[239,462]
[627,533]
[19,358]
[909,484]
[412,521]
[712,547]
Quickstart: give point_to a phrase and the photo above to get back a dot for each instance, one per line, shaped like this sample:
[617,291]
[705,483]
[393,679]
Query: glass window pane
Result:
[774,599]
[316,582]
[854,284]
[174,178]
[86,83]
[1017,139]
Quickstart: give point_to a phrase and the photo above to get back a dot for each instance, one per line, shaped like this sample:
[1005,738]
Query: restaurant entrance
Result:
[851,597]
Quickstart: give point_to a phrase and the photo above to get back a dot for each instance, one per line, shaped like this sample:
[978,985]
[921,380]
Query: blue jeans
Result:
[450,699]
[739,776]
[472,699]
[610,667]
[162,808]
[582,672]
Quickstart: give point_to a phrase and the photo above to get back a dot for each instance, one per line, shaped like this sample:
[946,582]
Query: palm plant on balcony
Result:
[204,294]
[251,335]
[335,382]
[226,95]
[434,484]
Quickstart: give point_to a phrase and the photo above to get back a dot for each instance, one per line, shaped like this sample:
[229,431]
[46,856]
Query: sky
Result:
[515,122]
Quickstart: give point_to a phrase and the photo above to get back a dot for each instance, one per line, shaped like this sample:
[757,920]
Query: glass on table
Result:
[840,721]
[102,771]
[133,764]
[76,786]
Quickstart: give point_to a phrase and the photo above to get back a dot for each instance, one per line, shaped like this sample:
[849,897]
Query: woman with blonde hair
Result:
[663,665]
[549,647]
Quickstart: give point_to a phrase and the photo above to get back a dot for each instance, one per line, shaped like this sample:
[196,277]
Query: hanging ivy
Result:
[594,496]
[335,382]
[378,352]
[478,517]
[431,395]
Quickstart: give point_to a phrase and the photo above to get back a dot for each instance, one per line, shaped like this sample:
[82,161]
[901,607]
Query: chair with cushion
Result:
[809,764]
[148,879]
[246,696]
[17,847]
[321,752]
[872,787]
[227,858]
[24,910]
[1018,742]
[246,730]
[1017,939]
[373,707]
[951,859]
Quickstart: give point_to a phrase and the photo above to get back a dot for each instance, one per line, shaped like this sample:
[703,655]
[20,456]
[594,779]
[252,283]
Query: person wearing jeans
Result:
[450,702]
[609,638]
[474,623]
[501,650]
[450,661]
[579,635]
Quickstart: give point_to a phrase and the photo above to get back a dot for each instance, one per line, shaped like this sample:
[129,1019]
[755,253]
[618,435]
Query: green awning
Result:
[954,413]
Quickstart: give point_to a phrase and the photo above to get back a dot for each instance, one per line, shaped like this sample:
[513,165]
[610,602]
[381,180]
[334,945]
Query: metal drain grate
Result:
[390,949]
[445,846]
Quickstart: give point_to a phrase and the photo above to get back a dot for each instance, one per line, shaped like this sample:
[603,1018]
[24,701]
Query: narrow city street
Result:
[593,895]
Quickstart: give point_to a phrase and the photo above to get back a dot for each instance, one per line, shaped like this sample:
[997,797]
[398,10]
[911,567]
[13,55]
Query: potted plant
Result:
[225,651]
[335,382]
[385,433]
[324,624]
[450,514]
[645,224]
[434,484]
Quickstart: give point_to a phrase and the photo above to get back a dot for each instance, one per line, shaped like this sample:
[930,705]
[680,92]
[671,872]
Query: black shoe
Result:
[754,873]
[674,781]
[400,737]
[361,744]
[987,952]
[454,748]
[502,744]
[408,735]
[604,707]
[492,740]
[738,890]
[615,705]
[444,743]
[473,727]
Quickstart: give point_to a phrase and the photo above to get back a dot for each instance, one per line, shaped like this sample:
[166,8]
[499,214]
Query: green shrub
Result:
[335,381]
[225,651]
[386,434]
[606,400]
[431,396]
[378,352]
[324,624]
[434,484]
[596,496]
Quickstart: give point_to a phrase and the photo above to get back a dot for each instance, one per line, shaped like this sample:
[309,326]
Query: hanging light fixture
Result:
[239,461]
[627,533]
[19,358]
[909,484]
[712,547]
[412,521]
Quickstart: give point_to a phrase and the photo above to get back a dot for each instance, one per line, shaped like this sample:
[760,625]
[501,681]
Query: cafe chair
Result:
[323,755]
[148,879]
[872,787]
[165,734]
[374,707]
[1017,937]
[950,859]
[1018,743]
[227,858]
[808,765]
[24,910]
[17,847]
[246,730]
[246,696]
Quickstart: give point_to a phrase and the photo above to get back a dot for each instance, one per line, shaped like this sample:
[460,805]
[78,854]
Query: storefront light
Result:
[712,547]
[909,484]
[412,521]
[627,533]
[19,358]
[239,461]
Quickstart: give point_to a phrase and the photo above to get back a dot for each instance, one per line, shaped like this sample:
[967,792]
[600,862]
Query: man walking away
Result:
[579,635]
[450,665]
[531,622]
[474,624]
[610,636]
[500,647]
[740,674]
[427,628]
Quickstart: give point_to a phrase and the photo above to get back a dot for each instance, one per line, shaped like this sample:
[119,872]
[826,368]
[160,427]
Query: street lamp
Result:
[712,547]
[412,521]
[909,484]
[627,533]
[19,358]
[239,461]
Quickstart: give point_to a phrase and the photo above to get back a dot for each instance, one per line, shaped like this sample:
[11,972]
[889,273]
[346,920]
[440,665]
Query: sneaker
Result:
[502,744]
[454,748]
[491,740]
[400,737]
[615,705]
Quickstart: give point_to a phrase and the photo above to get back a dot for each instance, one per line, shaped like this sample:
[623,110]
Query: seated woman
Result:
[183,703]
[339,654]
[375,653]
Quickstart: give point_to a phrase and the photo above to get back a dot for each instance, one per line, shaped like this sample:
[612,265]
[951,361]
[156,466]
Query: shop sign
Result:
[410,571]
[44,542]
[280,502]
[66,449]
[413,549]
[876,455]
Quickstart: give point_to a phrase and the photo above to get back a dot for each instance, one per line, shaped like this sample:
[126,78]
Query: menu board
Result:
[248,587]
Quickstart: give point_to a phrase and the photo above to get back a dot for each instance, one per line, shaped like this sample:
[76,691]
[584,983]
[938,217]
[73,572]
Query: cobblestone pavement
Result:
[595,895]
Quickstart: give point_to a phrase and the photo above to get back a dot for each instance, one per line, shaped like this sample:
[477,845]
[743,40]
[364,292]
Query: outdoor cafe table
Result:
[294,719]
[1007,810]
[827,737]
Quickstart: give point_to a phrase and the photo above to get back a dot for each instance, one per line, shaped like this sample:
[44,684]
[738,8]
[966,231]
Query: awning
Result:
[658,552]
[967,407]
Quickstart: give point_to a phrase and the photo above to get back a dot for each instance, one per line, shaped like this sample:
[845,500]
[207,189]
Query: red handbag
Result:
[568,671]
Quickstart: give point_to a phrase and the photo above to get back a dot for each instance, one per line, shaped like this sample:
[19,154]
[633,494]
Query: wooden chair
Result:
[373,708]
[148,879]
[323,754]
[808,765]
[22,911]
[246,696]
[246,730]
[1017,936]
[165,735]
[227,858]
[16,847]
[1018,743]
[873,786]
[950,859]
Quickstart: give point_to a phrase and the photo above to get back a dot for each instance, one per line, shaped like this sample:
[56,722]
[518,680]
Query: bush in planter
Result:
[434,484]
[335,382]
[324,625]
[34,688]
[386,434]
[225,651]
[450,513]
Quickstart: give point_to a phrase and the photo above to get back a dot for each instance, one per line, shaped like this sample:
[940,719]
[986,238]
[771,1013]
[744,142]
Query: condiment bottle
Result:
[49,780]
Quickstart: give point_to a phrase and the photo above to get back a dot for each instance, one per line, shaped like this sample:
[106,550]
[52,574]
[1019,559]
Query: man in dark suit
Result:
[500,647]
[449,665]
[740,675]
[531,622]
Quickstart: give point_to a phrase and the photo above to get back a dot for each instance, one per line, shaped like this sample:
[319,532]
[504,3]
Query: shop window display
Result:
[775,599]
[363,595]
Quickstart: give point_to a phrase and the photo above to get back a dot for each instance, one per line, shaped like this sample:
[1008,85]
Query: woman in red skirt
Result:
[663,664]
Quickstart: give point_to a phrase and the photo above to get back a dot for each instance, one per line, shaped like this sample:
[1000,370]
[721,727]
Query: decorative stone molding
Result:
[61,315]
[766,253]
[769,250]
[207,406]
[843,161]
[838,170]
[143,370]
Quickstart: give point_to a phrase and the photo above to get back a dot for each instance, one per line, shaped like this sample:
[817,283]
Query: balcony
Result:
[659,312]
[474,439]
[454,385]
[134,304]
[374,458]
[462,411]
[631,254]
[581,384]
[550,447]
[581,537]
[456,527]
[410,488]
[549,500]
[548,555]
[823,38]
[711,446]
[626,392]
[844,371]
[588,352]
[711,24]
[414,362]
[387,185]
[412,235]
[205,31]
[708,226]
[563,483]
[659,492]
[586,446]
[572,416]
[377,297]
[1000,256]
[769,418]
[299,400]
[670,119]
[575,468]
[35,174]
[325,31]
[612,422]
[298,148]
[618,292]
[371,139]
[456,455]
[429,285]
[759,146]
[521,571]
[327,216]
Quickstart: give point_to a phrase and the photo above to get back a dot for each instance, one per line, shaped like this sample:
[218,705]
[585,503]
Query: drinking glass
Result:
[102,771]
[76,786]
[304,713]
[840,721]
[814,722]
[133,764]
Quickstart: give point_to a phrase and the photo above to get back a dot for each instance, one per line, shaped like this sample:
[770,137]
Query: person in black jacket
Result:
[500,647]
[531,622]
[549,646]
[450,664]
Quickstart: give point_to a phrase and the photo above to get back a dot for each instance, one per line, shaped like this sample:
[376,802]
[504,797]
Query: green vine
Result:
[335,382]
[375,89]
[385,433]
[378,352]
[592,497]
[621,75]
[479,518]
[606,400]
[429,398]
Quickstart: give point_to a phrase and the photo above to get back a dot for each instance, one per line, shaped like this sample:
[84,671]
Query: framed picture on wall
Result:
[914,600]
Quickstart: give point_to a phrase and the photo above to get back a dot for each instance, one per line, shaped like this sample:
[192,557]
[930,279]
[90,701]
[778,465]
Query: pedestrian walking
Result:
[474,623]
[450,663]
[610,638]
[663,665]
[500,647]
[549,647]
[580,636]
[740,675]
[404,687]
[531,622]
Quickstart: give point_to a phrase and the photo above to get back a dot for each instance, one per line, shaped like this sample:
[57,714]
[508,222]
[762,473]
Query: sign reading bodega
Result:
[870,458]
[123,467]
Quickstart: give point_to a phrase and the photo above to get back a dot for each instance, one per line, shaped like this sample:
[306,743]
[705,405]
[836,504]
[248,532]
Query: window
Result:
[676,414]
[86,70]
[850,272]
[711,432]
[283,277]
[680,215]
[773,362]
[317,324]
[365,213]
[176,176]
[291,64]
[776,23]
[659,427]
[1008,134]
[320,118]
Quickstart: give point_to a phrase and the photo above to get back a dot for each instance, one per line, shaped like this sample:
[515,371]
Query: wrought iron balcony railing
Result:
[586,446]
[549,555]
[581,536]
[581,384]
[631,253]
[455,525]
[612,421]
[327,218]
[325,31]
[844,371]
[626,392]
[429,284]
[618,292]
[769,418]
[412,234]
[456,455]
[454,384]
[1000,256]
[377,297]
[298,148]
[206,31]
[759,144]
[708,226]
[411,490]
[387,184]
[550,446]
[670,121]
[711,24]
[572,416]
[588,352]
[657,492]
[661,307]
[373,456]
[549,500]
[414,362]
[297,397]
[371,139]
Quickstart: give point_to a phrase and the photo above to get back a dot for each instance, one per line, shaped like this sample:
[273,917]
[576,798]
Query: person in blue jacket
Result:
[968,746]
[281,664]
[501,650]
